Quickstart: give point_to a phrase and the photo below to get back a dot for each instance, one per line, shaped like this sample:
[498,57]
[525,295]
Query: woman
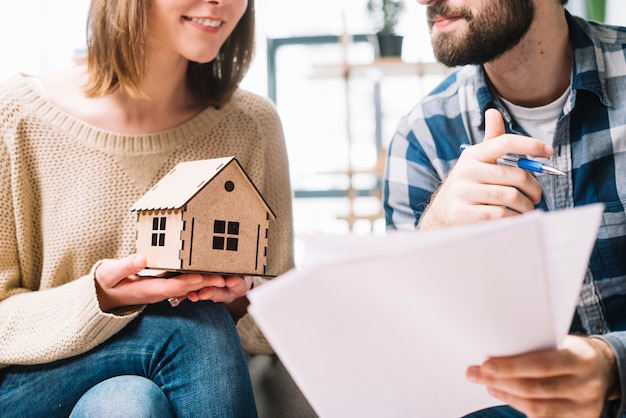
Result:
[81,333]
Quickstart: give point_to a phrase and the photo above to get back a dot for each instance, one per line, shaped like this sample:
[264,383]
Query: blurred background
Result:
[338,98]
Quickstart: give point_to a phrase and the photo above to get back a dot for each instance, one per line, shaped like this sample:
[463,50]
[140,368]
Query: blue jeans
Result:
[191,353]
[508,412]
[110,399]
[496,412]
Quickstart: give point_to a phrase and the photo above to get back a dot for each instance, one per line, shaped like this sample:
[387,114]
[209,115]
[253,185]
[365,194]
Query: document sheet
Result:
[386,326]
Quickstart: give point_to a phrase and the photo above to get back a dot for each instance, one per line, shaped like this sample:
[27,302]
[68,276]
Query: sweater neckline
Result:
[111,141]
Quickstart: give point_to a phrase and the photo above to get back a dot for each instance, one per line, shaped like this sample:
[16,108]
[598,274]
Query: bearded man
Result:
[532,80]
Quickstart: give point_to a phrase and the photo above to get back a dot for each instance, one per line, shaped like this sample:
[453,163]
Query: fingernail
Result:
[471,375]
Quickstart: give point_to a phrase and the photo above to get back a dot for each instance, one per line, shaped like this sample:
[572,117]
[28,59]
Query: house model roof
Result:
[176,188]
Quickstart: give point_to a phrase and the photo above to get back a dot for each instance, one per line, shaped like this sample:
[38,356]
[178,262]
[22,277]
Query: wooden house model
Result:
[204,216]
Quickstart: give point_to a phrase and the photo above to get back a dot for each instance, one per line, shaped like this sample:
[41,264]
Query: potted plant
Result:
[596,10]
[386,14]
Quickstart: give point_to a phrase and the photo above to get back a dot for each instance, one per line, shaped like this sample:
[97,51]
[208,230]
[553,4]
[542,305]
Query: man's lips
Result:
[441,16]
[441,22]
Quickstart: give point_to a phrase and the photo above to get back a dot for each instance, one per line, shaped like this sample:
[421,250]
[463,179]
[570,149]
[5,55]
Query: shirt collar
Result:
[587,74]
[589,71]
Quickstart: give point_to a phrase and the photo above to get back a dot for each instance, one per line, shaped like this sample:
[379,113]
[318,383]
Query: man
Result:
[534,81]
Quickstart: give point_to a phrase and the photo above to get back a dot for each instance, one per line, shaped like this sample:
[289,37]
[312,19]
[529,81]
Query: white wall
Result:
[616,12]
[40,35]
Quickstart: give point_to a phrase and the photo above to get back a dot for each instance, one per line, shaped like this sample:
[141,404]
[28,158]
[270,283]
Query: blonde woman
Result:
[81,333]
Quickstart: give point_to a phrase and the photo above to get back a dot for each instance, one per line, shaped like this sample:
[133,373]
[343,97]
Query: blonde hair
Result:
[116,42]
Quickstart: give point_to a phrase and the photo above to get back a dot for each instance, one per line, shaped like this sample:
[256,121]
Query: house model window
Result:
[158,231]
[222,235]
[215,219]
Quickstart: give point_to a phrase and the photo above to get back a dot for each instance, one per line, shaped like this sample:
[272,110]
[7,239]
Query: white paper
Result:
[387,325]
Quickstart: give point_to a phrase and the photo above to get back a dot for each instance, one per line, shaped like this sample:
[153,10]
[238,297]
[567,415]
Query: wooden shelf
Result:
[383,67]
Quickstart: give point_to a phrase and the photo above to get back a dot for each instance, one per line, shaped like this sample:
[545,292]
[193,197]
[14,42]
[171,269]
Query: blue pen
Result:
[524,163]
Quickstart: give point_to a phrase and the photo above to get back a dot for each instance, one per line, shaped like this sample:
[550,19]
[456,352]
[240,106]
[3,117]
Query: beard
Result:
[490,33]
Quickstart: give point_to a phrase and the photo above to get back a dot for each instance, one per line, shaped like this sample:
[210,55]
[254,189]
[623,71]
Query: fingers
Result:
[572,380]
[117,284]
[111,275]
[184,286]
[548,408]
[491,150]
[494,124]
[577,354]
[240,285]
[547,397]
[478,189]
[233,287]
[516,190]
[113,271]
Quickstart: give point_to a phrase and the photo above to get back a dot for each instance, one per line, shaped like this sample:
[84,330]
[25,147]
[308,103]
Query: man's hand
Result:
[118,285]
[477,189]
[573,381]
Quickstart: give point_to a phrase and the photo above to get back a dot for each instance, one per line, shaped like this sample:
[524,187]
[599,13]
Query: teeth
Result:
[206,22]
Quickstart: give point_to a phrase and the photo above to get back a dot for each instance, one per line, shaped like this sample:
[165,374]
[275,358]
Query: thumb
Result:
[494,124]
[115,270]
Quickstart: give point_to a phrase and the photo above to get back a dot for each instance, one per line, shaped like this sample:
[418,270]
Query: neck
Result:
[537,70]
[167,97]
[167,100]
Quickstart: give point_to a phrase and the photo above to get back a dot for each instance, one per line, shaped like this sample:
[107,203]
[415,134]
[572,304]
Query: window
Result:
[225,235]
[219,227]
[218,243]
[158,231]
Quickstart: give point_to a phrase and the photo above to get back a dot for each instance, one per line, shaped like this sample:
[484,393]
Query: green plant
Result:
[386,14]
[596,10]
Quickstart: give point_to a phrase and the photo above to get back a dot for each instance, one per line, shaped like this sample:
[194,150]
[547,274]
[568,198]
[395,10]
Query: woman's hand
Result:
[118,285]
[234,287]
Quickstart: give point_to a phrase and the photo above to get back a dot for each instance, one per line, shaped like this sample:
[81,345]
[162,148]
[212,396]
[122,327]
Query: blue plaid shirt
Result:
[590,147]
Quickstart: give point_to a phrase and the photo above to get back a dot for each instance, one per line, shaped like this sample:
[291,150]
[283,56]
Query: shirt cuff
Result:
[617,341]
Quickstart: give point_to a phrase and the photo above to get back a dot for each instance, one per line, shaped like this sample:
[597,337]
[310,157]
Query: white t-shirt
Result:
[539,122]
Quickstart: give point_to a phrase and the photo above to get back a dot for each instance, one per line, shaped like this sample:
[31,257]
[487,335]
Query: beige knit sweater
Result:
[65,193]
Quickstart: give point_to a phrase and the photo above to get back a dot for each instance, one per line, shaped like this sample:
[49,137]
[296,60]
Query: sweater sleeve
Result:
[39,325]
[48,325]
